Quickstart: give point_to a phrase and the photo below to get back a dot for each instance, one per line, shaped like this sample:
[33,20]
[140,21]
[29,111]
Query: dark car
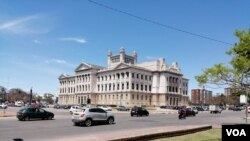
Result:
[190,112]
[237,108]
[34,113]
[139,111]
[122,108]
[57,106]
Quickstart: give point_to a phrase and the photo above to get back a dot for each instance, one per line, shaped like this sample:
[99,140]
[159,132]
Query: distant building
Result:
[229,91]
[125,82]
[201,96]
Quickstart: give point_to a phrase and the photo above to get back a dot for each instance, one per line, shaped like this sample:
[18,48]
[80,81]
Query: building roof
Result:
[86,66]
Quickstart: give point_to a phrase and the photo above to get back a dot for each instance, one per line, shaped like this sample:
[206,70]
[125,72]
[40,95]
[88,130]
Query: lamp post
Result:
[30,95]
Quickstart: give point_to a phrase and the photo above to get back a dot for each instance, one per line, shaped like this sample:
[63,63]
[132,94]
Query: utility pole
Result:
[30,95]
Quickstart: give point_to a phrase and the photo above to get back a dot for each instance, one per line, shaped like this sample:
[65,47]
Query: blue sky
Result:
[39,40]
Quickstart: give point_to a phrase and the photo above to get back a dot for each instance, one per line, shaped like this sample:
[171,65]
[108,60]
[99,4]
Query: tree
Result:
[237,73]
[48,98]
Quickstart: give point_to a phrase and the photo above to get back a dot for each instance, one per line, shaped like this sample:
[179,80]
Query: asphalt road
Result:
[61,126]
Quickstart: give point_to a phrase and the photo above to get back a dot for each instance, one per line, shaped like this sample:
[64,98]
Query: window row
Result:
[67,82]
[140,97]
[81,88]
[185,92]
[141,76]
[172,79]
[67,90]
[122,86]
[83,78]
[123,75]
[172,89]
[112,96]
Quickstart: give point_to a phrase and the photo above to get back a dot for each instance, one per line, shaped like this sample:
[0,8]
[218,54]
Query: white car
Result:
[73,109]
[88,116]
[3,106]
[106,108]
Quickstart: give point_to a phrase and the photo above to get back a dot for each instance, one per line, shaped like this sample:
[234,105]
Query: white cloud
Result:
[33,24]
[57,61]
[74,39]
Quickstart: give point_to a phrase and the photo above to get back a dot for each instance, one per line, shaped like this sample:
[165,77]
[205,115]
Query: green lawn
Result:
[208,135]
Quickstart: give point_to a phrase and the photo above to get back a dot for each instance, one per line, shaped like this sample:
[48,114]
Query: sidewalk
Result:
[7,114]
[139,134]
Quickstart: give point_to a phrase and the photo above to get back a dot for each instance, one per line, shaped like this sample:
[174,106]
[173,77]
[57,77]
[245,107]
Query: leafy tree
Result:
[237,72]
[48,98]
[39,98]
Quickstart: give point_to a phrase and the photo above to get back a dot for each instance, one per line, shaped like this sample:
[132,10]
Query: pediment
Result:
[63,76]
[121,65]
[82,66]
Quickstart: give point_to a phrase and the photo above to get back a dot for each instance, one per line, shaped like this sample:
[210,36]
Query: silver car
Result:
[88,116]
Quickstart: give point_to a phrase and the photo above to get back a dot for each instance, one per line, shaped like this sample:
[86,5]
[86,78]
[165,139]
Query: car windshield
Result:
[22,110]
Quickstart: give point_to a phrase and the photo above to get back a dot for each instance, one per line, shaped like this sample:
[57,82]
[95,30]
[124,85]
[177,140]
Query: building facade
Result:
[125,82]
[232,90]
[201,96]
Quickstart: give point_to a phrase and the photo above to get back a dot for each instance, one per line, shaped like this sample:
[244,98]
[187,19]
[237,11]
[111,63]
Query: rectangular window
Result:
[127,85]
[133,86]
[137,86]
[141,87]
[149,87]
[146,87]
[122,86]
[118,87]
[146,77]
[133,75]
[142,77]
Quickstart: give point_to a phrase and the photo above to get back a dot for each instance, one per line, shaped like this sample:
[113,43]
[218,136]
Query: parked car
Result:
[58,106]
[139,111]
[122,108]
[200,108]
[3,106]
[236,108]
[190,112]
[73,109]
[195,110]
[34,113]
[106,108]
[67,106]
[214,109]
[89,116]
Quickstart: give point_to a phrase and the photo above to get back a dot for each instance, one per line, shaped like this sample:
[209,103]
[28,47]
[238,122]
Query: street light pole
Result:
[30,95]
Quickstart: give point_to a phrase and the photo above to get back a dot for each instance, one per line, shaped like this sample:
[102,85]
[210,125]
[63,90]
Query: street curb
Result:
[164,134]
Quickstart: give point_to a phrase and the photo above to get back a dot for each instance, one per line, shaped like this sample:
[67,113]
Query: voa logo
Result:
[236,132]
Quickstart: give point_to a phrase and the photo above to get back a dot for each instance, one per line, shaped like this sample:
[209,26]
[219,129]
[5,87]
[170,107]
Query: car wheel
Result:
[110,120]
[26,118]
[19,119]
[132,115]
[50,117]
[76,124]
[88,122]
[147,114]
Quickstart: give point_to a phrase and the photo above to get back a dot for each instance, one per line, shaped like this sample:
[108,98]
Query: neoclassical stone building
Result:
[125,82]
